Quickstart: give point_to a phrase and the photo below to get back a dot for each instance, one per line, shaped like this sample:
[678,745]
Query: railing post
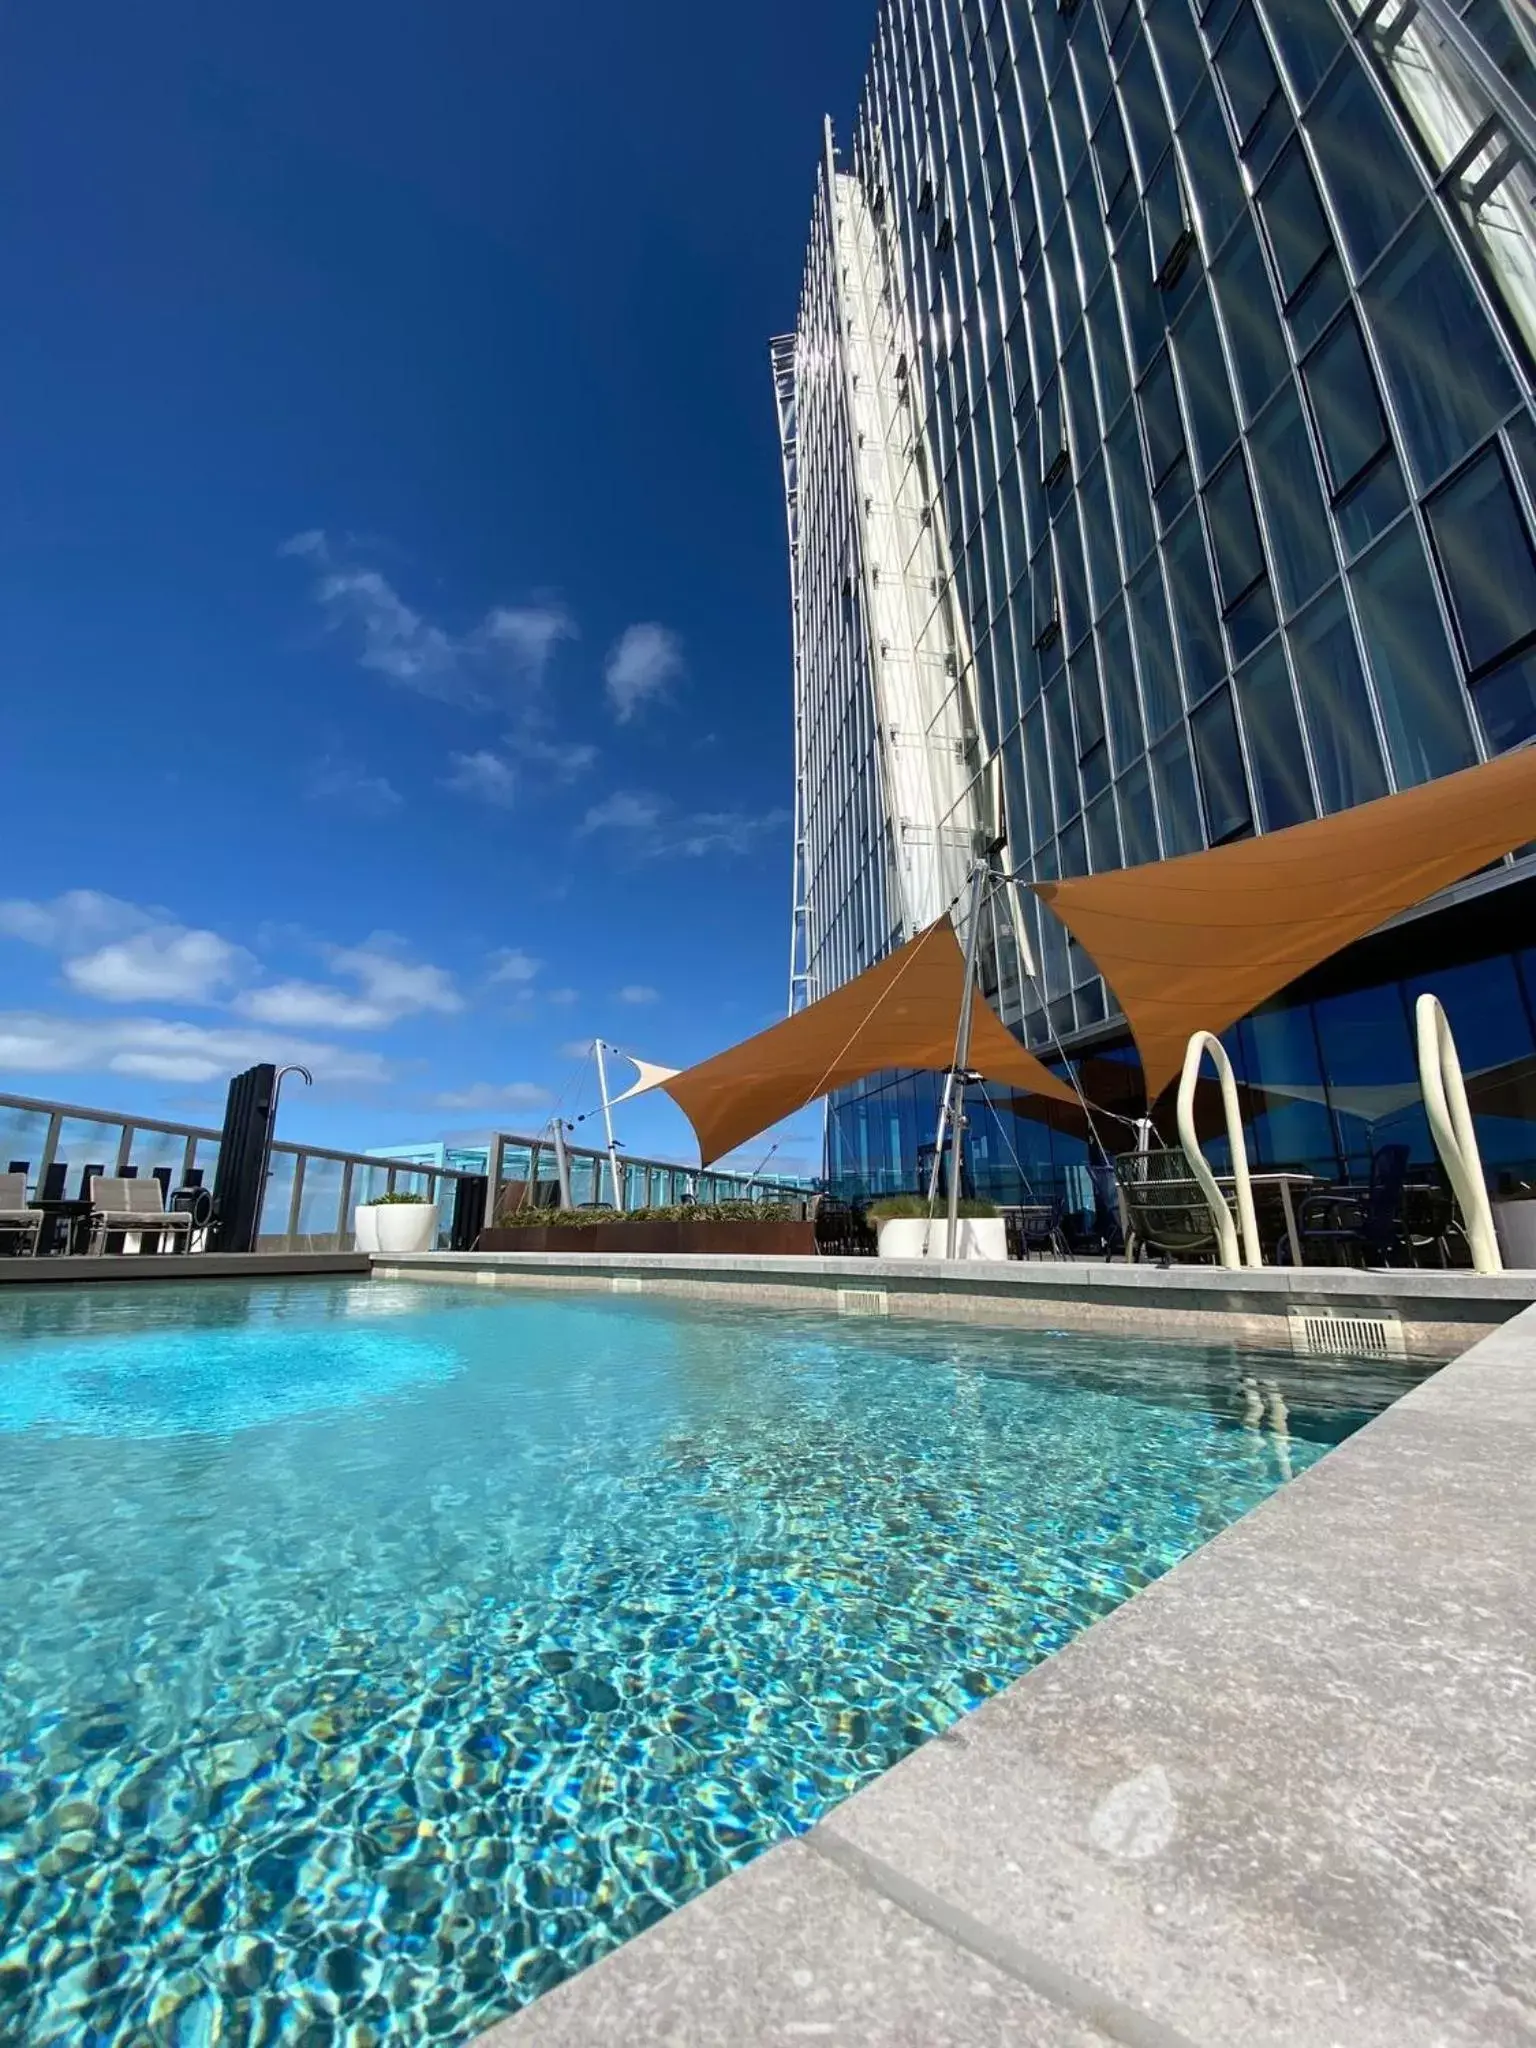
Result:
[1450,1125]
[295,1200]
[1201,1043]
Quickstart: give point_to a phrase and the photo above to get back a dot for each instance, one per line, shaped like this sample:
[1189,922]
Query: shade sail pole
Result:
[952,1115]
[612,1146]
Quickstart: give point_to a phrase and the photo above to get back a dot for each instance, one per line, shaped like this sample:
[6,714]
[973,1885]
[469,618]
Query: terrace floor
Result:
[1286,1795]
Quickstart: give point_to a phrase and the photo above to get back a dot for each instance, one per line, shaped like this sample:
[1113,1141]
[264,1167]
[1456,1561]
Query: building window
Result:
[1275,752]
[1417,686]
[1443,364]
[1223,784]
[1294,222]
[1293,507]
[1247,75]
[1342,393]
[1365,166]
[1489,569]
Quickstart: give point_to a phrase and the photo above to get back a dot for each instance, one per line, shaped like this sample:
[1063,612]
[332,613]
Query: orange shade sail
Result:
[901,1013]
[1195,943]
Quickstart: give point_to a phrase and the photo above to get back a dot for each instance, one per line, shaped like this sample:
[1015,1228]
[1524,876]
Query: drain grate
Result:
[1319,1333]
[626,1283]
[863,1301]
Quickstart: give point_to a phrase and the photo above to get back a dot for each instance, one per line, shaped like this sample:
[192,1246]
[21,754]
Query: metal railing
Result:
[523,1169]
[310,1194]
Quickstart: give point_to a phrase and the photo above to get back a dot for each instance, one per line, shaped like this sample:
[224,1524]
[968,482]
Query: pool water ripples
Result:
[374,1656]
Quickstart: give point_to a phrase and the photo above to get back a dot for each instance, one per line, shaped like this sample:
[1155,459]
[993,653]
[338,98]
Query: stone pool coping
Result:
[128,1267]
[1442,1313]
[1286,1795]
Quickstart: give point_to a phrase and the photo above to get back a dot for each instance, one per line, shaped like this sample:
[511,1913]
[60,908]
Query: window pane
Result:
[1138,826]
[1344,403]
[1275,752]
[1416,681]
[1079,390]
[1207,394]
[1308,38]
[1160,418]
[1293,220]
[1485,554]
[1179,56]
[1442,361]
[1283,466]
[1225,787]
[1073,578]
[1247,73]
[1130,482]
[1099,533]
[1125,731]
[1168,226]
[1372,505]
[1159,678]
[1194,608]
[1234,531]
[1365,165]
[1143,104]
[1037,770]
[1344,748]
[1176,799]
[1248,308]
[1111,158]
[1108,350]
[1103,835]
[1506,703]
[1215,192]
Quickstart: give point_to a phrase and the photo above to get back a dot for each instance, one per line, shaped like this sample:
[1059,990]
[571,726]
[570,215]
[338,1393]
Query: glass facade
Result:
[1164,373]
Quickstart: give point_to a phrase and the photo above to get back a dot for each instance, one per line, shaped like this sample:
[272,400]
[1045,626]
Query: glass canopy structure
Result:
[1161,470]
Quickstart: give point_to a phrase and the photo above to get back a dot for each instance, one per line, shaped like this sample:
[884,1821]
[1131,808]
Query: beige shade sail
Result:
[1195,943]
[901,1013]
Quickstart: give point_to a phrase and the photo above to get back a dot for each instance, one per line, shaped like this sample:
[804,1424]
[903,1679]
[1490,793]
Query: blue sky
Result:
[392,584]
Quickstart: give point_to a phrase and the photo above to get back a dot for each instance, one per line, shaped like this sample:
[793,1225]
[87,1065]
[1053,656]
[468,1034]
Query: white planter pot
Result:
[1514,1224]
[396,1227]
[978,1237]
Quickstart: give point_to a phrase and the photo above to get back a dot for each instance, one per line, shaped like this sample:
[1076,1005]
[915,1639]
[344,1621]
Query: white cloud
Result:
[638,992]
[566,759]
[77,920]
[575,1049]
[401,985]
[343,782]
[164,1049]
[641,663]
[494,1095]
[166,964]
[511,963]
[624,811]
[311,1005]
[389,987]
[395,640]
[526,635]
[563,996]
[484,776]
[656,830]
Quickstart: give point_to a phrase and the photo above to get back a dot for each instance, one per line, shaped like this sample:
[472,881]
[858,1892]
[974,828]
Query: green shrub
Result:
[392,1201]
[889,1208]
[528,1218]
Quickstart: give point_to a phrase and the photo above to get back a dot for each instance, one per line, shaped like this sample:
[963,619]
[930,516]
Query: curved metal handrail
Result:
[1226,1233]
[1450,1125]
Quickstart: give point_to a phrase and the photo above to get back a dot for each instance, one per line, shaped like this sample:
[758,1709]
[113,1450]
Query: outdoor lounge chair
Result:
[137,1206]
[1165,1207]
[1354,1225]
[17,1218]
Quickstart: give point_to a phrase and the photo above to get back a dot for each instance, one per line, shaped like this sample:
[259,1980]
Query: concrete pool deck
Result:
[1440,1313]
[1286,1795]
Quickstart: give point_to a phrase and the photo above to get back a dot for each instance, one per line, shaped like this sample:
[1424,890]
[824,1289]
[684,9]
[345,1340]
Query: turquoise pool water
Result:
[374,1656]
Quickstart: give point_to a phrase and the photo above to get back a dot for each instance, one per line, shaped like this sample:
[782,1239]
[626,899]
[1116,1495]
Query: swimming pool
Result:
[375,1655]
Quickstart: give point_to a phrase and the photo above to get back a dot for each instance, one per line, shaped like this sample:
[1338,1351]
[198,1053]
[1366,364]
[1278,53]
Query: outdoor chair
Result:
[135,1206]
[1100,1231]
[17,1218]
[1165,1207]
[842,1230]
[1359,1226]
[1038,1227]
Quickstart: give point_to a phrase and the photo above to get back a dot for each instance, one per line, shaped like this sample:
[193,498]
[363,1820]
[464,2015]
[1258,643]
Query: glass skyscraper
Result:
[1161,468]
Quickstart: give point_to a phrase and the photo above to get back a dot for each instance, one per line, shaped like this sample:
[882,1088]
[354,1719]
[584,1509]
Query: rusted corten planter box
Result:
[765,1240]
